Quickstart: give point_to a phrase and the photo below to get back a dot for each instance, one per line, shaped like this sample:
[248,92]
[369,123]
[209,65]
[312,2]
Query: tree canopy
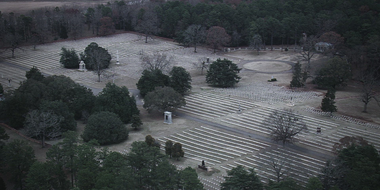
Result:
[336,73]
[117,100]
[180,80]
[163,99]
[69,58]
[106,128]
[149,80]
[223,73]
[240,178]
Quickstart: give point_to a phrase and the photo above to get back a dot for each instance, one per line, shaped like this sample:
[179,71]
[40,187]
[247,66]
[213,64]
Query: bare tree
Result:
[203,63]
[308,48]
[147,23]
[43,124]
[368,86]
[217,36]
[284,125]
[157,61]
[280,164]
[348,141]
[194,35]
[13,42]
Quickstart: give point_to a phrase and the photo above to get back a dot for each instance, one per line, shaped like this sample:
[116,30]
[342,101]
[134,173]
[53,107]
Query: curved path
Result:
[243,62]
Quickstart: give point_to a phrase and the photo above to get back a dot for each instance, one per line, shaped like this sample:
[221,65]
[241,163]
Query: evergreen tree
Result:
[180,80]
[34,73]
[328,101]
[168,148]
[69,58]
[223,73]
[177,151]
[239,178]
[297,80]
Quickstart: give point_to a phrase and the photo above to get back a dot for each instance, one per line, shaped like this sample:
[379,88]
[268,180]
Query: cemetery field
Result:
[211,127]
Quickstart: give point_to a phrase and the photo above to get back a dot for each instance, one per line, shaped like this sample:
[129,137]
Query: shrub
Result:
[106,128]
[69,58]
[272,80]
[1,89]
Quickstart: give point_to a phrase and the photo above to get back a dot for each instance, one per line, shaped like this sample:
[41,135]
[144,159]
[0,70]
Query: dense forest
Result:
[277,22]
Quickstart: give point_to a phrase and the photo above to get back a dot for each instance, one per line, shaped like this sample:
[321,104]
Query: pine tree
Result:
[328,101]
[297,80]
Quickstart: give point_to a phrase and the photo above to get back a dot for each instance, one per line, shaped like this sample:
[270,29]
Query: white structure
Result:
[168,117]
[82,66]
[323,46]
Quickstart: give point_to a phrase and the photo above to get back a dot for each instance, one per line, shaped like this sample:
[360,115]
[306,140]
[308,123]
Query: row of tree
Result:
[49,106]
[71,164]
[275,22]
[355,167]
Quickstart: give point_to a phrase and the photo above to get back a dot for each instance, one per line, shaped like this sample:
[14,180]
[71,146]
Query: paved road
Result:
[255,136]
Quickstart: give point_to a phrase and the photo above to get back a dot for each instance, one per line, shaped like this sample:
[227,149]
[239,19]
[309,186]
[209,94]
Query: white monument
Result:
[82,66]
[168,117]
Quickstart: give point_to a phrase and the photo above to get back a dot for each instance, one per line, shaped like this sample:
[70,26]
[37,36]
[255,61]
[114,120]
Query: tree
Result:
[217,36]
[180,80]
[168,148]
[202,64]
[136,121]
[106,128]
[117,100]
[163,99]
[223,73]
[61,110]
[288,184]
[189,179]
[333,38]
[96,58]
[256,42]
[3,136]
[42,124]
[38,177]
[177,151]
[149,80]
[314,184]
[106,26]
[149,140]
[147,23]
[348,141]
[18,156]
[157,61]
[194,35]
[335,74]
[368,85]
[284,125]
[1,89]
[144,161]
[69,58]
[35,74]
[328,101]
[308,48]
[355,167]
[13,40]
[297,79]
[240,178]
[61,88]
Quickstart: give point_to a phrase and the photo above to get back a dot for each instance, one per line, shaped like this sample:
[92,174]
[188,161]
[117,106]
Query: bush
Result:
[272,80]
[106,128]
[35,74]
[69,58]
[1,89]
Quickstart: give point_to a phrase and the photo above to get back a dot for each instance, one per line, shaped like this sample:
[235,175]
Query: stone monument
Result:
[168,117]
[82,66]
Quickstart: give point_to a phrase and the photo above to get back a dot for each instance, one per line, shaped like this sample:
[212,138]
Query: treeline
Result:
[71,164]
[276,21]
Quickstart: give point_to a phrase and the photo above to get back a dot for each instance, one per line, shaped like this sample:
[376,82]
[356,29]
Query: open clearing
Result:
[244,141]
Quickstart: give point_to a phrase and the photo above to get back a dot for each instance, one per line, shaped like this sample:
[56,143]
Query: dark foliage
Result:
[223,73]
[69,58]
[150,80]
[106,128]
